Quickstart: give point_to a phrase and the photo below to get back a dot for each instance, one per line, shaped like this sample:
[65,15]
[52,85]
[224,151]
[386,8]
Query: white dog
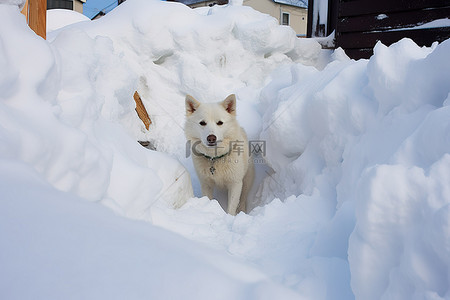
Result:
[220,150]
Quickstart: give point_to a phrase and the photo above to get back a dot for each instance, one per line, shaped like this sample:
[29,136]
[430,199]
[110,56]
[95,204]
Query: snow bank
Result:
[204,53]
[353,201]
[55,245]
[51,118]
[167,50]
[371,144]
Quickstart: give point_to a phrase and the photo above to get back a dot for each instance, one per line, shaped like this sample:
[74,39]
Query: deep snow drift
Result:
[352,202]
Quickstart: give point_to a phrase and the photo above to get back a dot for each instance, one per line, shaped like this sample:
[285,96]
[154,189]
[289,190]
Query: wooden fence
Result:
[359,24]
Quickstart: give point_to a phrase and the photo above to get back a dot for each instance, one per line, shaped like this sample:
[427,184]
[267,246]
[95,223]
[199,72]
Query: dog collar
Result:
[212,160]
[215,157]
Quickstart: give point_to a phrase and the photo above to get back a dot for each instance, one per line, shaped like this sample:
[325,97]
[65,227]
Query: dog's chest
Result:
[220,170]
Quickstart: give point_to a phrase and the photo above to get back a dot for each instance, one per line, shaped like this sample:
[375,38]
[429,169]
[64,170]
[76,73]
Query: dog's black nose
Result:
[211,139]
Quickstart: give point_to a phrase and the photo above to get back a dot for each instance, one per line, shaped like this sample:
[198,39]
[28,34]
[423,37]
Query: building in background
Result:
[292,13]
[76,5]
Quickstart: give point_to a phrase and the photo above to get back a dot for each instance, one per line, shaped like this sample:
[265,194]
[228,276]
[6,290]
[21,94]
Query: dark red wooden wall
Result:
[359,24]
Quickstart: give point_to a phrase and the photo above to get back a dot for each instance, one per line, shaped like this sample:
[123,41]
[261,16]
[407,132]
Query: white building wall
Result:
[298,17]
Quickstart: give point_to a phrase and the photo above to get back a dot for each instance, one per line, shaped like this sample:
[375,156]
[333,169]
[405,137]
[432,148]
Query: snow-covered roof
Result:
[298,3]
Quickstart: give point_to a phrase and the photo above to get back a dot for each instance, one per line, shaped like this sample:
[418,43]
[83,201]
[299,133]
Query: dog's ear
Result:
[191,105]
[230,104]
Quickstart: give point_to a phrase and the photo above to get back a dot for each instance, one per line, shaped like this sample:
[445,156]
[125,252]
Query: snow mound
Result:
[91,253]
[167,50]
[370,141]
[51,118]
[59,18]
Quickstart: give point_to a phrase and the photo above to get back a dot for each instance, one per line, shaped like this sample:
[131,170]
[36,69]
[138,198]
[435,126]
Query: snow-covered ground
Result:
[353,200]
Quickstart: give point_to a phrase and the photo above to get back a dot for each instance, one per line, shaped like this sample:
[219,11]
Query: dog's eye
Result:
[203,123]
[219,123]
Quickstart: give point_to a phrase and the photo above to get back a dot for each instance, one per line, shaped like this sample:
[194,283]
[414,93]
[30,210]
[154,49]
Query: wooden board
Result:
[362,7]
[360,24]
[391,20]
[141,111]
[37,16]
[359,53]
[422,37]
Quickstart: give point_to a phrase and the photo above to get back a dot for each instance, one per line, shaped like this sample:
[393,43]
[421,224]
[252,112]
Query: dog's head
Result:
[211,123]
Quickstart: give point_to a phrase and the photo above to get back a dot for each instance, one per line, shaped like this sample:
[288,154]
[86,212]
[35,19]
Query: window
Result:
[285,19]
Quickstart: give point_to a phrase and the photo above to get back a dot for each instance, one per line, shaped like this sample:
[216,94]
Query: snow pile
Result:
[51,118]
[167,50]
[55,245]
[372,139]
[354,199]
